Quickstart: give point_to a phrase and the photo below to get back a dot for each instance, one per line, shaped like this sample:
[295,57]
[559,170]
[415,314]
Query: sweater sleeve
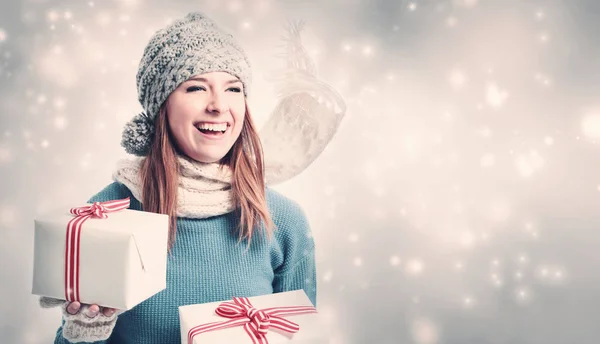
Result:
[78,328]
[293,257]
[301,276]
[114,191]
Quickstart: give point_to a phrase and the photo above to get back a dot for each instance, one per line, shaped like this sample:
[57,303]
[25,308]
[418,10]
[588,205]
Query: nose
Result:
[216,104]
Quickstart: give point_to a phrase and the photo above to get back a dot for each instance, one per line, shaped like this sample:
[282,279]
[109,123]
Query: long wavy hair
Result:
[160,178]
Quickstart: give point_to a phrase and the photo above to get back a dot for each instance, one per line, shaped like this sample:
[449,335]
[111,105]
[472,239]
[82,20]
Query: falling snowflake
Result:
[451,21]
[523,295]
[5,154]
[529,163]
[496,280]
[425,331]
[466,3]
[235,5]
[60,122]
[590,126]
[495,96]
[103,18]
[52,16]
[457,79]
[539,15]
[8,214]
[245,25]
[488,160]
[468,302]
[414,266]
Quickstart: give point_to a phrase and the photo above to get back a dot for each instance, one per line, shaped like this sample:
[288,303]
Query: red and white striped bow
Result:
[256,322]
[96,210]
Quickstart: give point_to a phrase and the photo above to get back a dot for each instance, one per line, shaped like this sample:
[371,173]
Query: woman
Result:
[200,161]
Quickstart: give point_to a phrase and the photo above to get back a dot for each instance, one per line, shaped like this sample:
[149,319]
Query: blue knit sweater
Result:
[208,264]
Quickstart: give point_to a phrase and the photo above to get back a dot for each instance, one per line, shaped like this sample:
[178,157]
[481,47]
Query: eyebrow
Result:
[232,81]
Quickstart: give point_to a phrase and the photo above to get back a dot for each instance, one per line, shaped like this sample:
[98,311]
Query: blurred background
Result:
[457,203]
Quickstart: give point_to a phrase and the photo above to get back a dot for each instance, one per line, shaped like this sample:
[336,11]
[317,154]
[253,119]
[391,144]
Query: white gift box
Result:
[122,259]
[312,330]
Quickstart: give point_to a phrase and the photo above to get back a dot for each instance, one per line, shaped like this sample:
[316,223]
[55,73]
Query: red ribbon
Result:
[256,322]
[96,210]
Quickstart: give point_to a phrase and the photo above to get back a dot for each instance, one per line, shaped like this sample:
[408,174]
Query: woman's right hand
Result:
[92,310]
[83,322]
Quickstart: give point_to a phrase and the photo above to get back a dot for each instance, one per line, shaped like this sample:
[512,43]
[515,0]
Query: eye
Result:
[235,89]
[195,88]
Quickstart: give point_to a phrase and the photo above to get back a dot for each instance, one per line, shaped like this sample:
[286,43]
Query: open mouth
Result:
[214,131]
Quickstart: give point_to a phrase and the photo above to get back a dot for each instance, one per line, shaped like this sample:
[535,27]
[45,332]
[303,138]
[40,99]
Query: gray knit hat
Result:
[189,46]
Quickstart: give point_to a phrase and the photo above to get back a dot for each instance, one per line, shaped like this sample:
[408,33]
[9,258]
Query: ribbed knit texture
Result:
[207,264]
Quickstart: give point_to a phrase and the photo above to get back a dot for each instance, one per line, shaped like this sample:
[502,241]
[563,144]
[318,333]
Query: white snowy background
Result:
[458,203]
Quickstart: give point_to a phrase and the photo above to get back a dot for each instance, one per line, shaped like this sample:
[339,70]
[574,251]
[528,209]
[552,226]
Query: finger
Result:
[92,311]
[108,311]
[73,307]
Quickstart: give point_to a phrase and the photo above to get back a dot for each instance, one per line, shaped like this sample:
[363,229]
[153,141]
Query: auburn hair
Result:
[160,178]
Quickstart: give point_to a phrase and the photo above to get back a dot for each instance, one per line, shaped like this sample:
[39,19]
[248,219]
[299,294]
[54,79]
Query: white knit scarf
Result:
[204,190]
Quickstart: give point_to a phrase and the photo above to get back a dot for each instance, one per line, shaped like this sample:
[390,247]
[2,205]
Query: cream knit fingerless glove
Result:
[79,327]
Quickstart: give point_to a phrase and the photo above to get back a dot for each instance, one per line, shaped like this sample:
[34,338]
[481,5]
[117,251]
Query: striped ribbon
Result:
[95,210]
[256,322]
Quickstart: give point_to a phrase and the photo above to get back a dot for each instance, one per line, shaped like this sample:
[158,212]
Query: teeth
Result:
[213,127]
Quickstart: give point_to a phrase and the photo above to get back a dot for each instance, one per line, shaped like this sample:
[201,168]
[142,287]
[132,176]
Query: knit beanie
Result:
[189,46]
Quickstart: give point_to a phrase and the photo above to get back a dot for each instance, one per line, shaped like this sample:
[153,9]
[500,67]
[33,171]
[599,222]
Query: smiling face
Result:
[206,115]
